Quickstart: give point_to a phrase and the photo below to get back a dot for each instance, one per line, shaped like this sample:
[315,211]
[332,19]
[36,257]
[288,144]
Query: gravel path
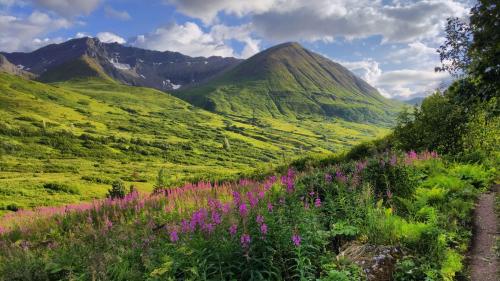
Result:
[483,259]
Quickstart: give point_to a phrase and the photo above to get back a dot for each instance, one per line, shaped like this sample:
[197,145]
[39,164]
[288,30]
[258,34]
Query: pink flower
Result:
[263,229]
[245,240]
[243,210]
[296,239]
[340,177]
[259,219]
[270,207]
[328,178]
[226,208]
[233,229]
[317,202]
[216,218]
[174,237]
[252,199]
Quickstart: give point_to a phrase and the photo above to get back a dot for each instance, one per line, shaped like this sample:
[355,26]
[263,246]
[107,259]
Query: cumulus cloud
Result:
[68,8]
[108,37]
[25,33]
[280,20]
[207,10]
[190,39]
[401,83]
[115,14]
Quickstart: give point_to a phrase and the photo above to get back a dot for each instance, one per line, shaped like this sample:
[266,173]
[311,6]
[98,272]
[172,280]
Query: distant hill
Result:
[288,80]
[88,57]
[414,101]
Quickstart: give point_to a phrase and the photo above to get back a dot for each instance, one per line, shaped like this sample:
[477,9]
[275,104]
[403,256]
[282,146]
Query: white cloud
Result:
[120,15]
[23,34]
[400,83]
[323,20]
[190,39]
[415,53]
[68,8]
[207,10]
[108,37]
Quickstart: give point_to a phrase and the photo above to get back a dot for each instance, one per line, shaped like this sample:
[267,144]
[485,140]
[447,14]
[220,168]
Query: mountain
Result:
[414,101]
[88,57]
[6,66]
[290,81]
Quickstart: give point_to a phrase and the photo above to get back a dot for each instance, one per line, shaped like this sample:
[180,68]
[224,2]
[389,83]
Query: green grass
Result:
[288,81]
[87,133]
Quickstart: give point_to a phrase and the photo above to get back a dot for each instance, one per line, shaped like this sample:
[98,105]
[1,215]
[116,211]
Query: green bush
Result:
[60,187]
[117,190]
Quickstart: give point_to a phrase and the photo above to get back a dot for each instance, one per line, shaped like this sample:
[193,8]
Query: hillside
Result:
[86,133]
[129,65]
[290,81]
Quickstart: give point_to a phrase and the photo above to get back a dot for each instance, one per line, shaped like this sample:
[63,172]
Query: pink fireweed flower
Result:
[233,229]
[243,210]
[209,228]
[296,239]
[261,194]
[263,229]
[174,237]
[328,178]
[252,200]
[361,165]
[259,219]
[185,227]
[311,193]
[245,240]
[226,208]
[288,181]
[340,177]
[236,198]
[269,207]
[216,218]
[317,202]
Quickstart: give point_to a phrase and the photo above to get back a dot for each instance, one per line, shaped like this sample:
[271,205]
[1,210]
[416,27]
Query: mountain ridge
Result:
[129,65]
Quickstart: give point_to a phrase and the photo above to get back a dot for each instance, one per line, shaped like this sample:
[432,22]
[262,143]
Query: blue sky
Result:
[389,43]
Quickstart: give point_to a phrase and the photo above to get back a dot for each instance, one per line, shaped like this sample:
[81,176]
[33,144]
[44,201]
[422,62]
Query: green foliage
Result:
[437,125]
[117,190]
[59,187]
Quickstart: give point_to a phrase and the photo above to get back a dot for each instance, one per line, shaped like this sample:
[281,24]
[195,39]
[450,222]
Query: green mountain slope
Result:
[82,67]
[290,81]
[86,133]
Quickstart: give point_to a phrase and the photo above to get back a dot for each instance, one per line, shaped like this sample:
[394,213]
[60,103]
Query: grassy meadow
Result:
[85,134]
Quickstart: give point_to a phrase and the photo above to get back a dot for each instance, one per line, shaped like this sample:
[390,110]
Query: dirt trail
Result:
[483,259]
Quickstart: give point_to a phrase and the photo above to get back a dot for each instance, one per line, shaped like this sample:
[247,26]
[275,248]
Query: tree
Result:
[161,180]
[117,190]
[473,50]
[439,124]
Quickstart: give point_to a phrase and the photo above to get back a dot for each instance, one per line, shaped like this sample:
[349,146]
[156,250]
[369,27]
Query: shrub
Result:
[117,190]
[60,187]
[474,174]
